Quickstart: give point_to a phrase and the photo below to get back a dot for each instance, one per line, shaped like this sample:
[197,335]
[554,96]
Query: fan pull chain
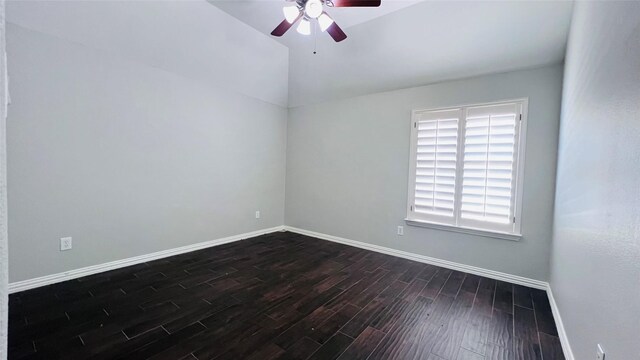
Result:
[315,38]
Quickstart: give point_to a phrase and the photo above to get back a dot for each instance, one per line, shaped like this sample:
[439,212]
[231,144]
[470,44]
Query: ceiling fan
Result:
[309,10]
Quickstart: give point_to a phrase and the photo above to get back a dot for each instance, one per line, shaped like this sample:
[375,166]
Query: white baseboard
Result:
[566,348]
[427,259]
[112,265]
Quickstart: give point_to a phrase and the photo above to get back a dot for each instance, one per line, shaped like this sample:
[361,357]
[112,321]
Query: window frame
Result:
[471,227]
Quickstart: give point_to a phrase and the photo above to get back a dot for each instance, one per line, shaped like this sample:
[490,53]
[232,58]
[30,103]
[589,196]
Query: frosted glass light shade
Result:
[291,13]
[304,27]
[313,8]
[324,21]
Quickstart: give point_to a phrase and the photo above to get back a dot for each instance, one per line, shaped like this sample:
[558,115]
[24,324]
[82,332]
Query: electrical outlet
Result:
[258,214]
[66,243]
[600,353]
[400,230]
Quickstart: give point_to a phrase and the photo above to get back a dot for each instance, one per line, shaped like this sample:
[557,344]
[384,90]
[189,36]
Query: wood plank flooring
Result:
[283,296]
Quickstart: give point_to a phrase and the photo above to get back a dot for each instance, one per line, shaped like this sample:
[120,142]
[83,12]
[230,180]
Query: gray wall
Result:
[348,161]
[595,264]
[130,158]
[4,256]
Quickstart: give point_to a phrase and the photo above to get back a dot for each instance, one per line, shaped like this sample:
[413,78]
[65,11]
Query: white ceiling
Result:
[399,45]
[189,38]
[265,15]
[413,44]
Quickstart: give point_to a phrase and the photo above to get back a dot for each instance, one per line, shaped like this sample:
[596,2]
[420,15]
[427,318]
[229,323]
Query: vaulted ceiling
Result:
[264,15]
[411,43]
[400,44]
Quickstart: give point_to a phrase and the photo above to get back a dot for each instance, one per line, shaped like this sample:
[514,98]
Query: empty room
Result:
[319,179]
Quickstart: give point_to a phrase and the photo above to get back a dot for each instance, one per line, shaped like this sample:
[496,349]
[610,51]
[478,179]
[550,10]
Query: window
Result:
[466,165]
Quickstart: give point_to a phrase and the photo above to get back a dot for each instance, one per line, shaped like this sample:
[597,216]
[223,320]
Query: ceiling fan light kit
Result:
[308,10]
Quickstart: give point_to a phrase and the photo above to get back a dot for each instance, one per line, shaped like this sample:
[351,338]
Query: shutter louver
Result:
[436,158]
[488,165]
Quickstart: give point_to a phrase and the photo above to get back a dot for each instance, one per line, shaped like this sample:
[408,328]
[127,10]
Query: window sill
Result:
[465,230]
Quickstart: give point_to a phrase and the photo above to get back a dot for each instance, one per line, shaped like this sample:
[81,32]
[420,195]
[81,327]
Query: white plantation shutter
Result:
[489,166]
[464,166]
[436,143]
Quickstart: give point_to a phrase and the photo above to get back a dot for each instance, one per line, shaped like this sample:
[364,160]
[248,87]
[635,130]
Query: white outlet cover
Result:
[400,230]
[258,214]
[66,243]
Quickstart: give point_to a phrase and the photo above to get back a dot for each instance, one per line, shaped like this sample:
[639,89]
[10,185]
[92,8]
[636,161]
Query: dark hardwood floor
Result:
[282,296]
